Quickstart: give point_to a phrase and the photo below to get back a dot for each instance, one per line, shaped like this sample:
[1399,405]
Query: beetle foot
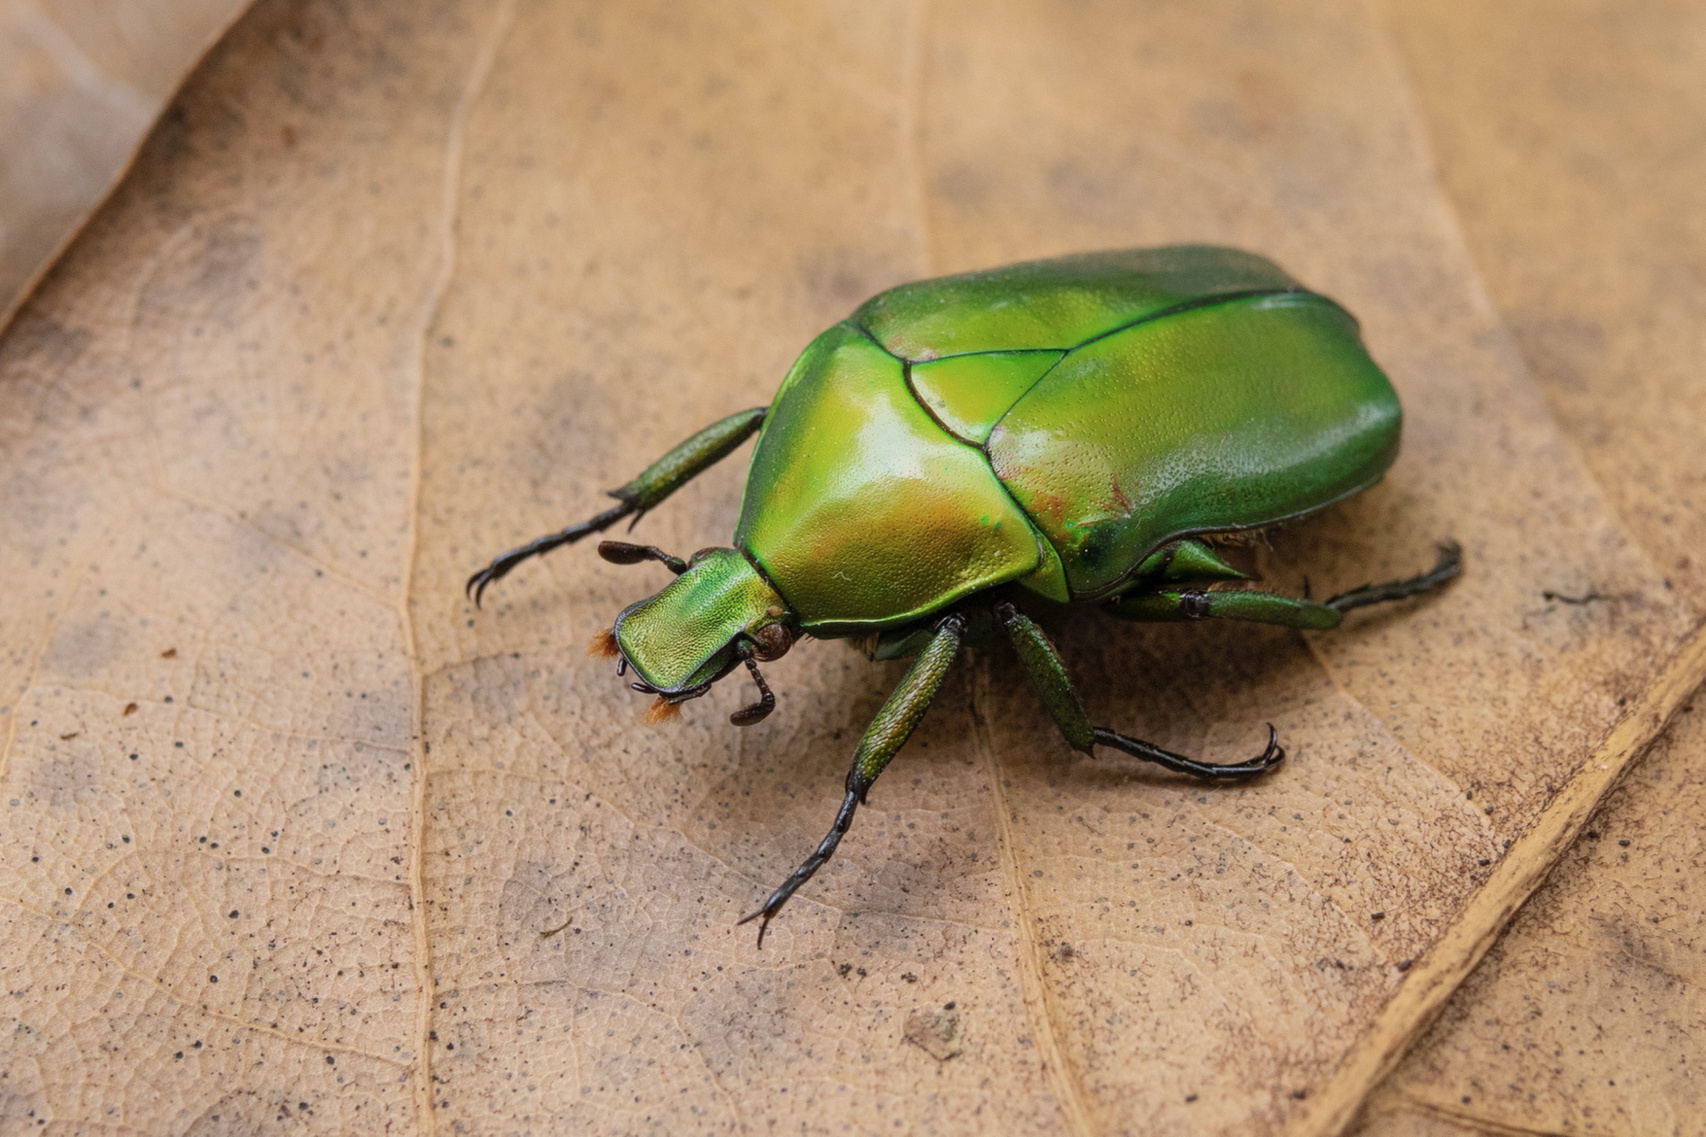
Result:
[824,850]
[765,914]
[1270,757]
[1449,564]
[504,562]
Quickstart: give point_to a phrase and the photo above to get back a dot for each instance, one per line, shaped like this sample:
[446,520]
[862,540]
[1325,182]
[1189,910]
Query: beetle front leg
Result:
[662,478]
[885,736]
[1048,672]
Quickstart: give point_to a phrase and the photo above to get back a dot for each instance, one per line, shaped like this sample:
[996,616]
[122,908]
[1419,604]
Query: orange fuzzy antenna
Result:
[661,710]
[603,645]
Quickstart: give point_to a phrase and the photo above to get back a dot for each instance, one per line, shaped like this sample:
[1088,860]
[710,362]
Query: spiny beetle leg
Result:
[1272,756]
[1260,607]
[504,562]
[1048,672]
[825,850]
[1450,563]
[885,736]
[675,469]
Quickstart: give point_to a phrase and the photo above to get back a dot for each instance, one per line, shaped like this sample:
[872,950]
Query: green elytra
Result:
[959,450]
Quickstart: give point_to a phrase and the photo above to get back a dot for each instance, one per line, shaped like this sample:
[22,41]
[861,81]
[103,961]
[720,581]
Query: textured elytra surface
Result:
[395,287]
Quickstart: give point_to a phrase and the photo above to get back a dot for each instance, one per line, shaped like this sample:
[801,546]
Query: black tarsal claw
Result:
[825,850]
[1270,757]
[767,915]
[1274,754]
[504,562]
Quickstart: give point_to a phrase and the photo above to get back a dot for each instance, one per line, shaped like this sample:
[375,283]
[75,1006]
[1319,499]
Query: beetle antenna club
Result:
[1008,402]
[623,553]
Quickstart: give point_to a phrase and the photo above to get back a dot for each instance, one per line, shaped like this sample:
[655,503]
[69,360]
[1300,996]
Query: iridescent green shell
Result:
[1051,424]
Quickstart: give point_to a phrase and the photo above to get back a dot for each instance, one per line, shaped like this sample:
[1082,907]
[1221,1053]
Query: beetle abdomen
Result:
[1221,416]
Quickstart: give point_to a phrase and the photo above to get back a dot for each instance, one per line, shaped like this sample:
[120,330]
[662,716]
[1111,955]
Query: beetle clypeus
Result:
[1063,431]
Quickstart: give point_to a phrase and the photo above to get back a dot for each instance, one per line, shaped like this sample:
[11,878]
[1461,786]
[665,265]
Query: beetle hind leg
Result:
[1449,564]
[1270,757]
[1258,607]
[1048,672]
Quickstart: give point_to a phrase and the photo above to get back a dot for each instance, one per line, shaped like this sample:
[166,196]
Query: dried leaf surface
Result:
[398,286]
[1569,139]
[80,83]
[1586,1016]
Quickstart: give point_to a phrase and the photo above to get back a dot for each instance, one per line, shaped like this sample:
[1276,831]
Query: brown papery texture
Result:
[1587,1016]
[396,286]
[81,81]
[1570,139]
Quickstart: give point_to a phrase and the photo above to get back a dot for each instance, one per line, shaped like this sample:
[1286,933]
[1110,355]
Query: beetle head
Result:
[716,615]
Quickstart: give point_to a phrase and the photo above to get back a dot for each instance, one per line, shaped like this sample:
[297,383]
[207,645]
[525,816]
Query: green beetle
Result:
[1063,431]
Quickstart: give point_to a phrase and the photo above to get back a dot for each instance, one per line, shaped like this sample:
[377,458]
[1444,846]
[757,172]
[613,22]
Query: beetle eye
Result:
[702,554]
[772,641]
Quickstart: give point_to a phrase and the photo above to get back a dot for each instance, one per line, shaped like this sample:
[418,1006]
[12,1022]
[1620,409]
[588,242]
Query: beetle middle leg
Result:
[1268,608]
[675,469]
[885,736]
[1048,672]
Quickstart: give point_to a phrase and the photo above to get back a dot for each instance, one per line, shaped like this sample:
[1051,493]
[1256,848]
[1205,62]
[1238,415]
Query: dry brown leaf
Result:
[1586,1016]
[393,288]
[1570,139]
[80,83]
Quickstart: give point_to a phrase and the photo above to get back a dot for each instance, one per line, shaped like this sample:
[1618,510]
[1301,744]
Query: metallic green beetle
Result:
[964,448]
